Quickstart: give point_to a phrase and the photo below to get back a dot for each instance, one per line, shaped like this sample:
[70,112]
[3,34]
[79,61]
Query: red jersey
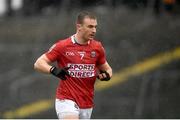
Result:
[83,61]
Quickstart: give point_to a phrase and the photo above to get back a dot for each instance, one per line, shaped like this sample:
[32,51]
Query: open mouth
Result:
[92,35]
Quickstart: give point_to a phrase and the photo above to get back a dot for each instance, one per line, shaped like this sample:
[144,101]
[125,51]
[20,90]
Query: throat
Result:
[80,41]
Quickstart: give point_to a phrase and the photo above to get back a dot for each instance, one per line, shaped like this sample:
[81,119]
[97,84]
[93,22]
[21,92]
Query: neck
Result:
[79,39]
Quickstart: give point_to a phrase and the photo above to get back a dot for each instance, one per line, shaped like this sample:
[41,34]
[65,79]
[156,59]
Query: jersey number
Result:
[81,54]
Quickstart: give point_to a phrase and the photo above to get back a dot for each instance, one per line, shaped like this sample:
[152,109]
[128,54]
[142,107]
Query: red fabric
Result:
[83,61]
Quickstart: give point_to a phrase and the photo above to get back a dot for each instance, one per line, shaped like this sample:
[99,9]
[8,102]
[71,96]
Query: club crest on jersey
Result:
[93,54]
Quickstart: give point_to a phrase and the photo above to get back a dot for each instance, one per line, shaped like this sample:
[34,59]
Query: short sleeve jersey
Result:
[83,61]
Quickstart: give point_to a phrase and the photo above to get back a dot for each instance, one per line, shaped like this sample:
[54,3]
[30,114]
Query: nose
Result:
[94,30]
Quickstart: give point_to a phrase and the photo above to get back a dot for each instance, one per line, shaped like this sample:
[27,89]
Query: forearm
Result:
[106,67]
[105,72]
[42,65]
[109,70]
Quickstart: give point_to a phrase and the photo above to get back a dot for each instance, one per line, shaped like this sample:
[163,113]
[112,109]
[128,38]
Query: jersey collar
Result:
[75,42]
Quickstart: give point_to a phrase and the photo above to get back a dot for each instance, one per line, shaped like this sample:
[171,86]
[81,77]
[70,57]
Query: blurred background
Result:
[142,42]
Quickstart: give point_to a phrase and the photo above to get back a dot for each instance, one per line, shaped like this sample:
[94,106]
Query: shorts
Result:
[68,107]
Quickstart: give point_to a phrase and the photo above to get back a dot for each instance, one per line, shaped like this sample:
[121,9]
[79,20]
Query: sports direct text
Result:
[81,70]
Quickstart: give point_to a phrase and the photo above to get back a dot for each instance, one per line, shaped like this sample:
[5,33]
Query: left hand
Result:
[104,76]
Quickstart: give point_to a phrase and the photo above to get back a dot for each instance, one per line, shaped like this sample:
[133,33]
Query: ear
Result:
[78,26]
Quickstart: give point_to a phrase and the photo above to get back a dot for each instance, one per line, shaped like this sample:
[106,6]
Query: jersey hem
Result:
[81,107]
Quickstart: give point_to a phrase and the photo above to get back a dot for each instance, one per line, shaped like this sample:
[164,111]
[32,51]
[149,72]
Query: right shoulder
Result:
[63,42]
[60,44]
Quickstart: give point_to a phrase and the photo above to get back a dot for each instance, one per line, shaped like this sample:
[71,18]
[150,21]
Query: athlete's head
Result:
[86,24]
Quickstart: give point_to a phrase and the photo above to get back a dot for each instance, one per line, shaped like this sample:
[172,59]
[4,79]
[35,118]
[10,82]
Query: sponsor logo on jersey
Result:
[81,70]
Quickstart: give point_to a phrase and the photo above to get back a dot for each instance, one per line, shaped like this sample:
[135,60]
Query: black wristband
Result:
[52,69]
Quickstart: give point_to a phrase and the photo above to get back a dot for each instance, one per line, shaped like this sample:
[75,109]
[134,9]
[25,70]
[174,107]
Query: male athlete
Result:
[80,60]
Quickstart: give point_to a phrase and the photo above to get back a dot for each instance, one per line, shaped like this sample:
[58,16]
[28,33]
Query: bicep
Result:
[54,52]
[44,58]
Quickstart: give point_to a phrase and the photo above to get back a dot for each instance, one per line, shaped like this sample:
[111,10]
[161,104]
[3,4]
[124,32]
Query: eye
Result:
[90,26]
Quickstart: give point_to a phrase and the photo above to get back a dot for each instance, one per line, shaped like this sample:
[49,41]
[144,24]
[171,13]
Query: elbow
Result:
[36,65]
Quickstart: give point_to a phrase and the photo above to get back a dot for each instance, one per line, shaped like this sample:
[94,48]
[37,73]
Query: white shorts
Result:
[68,107]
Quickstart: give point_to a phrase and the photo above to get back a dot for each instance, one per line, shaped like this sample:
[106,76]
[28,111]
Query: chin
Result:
[91,38]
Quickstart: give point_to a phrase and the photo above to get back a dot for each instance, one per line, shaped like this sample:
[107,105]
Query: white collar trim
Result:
[73,40]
